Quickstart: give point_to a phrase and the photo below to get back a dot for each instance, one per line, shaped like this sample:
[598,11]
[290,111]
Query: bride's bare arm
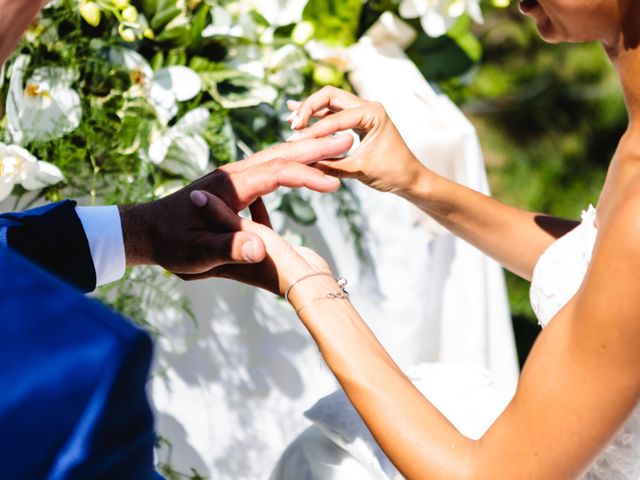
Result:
[580,383]
[514,237]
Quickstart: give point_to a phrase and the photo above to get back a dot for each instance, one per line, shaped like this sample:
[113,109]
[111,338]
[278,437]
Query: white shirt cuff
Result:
[103,229]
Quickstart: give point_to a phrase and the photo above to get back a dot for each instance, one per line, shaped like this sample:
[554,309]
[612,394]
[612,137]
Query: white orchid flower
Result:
[280,12]
[181,149]
[268,70]
[52,4]
[247,59]
[164,88]
[438,16]
[19,167]
[226,24]
[284,68]
[44,108]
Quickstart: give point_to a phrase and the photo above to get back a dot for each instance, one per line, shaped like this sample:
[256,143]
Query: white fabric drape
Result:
[231,392]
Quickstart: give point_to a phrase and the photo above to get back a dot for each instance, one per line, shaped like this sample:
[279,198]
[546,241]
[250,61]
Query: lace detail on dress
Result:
[561,269]
[621,459]
[556,278]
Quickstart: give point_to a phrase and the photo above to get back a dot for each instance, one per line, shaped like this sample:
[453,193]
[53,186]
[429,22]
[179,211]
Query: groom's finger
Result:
[267,177]
[259,213]
[308,151]
[214,249]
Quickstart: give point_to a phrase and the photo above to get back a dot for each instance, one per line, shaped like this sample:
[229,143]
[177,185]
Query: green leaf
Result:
[466,40]
[178,36]
[198,24]
[336,21]
[157,61]
[439,58]
[176,56]
[165,12]
[298,208]
[149,7]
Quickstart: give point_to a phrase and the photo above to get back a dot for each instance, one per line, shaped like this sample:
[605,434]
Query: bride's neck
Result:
[625,56]
[627,63]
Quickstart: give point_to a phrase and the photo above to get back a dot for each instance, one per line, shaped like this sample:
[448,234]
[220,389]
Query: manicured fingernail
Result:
[198,198]
[250,252]
[291,116]
[295,122]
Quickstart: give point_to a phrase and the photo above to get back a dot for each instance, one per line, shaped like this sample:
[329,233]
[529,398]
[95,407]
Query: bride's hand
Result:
[283,264]
[383,160]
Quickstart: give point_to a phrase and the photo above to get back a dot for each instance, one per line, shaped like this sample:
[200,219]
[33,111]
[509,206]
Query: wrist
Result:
[135,235]
[310,288]
[419,185]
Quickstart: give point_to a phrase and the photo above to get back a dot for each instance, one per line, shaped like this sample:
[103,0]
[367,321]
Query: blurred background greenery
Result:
[549,118]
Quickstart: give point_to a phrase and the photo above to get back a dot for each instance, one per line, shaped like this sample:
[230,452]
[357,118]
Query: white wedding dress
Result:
[339,447]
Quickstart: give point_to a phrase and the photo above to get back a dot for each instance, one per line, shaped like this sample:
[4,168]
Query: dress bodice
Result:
[561,269]
[557,276]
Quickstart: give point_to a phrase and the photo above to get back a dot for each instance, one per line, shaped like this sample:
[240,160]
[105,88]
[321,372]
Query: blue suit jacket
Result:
[53,237]
[72,373]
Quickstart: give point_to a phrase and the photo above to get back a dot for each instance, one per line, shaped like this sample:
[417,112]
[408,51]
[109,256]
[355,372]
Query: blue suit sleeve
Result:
[53,237]
[74,402]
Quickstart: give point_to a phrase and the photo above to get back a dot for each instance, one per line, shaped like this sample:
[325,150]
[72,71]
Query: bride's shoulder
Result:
[616,256]
[609,292]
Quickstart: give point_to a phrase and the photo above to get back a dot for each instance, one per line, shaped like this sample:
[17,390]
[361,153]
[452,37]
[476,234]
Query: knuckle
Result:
[328,90]
[227,187]
[279,163]
[378,109]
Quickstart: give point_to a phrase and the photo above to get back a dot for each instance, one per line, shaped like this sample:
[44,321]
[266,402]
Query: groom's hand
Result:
[173,233]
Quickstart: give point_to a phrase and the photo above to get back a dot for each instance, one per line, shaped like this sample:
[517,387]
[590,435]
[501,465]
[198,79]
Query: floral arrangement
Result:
[120,101]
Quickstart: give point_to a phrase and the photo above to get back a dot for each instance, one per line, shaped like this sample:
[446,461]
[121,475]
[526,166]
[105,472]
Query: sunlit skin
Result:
[581,380]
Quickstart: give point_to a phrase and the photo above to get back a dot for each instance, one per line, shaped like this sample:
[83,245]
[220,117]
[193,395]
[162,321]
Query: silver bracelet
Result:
[342,283]
[341,295]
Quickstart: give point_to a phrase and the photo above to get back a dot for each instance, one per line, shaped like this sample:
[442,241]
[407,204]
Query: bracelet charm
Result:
[329,296]
[341,294]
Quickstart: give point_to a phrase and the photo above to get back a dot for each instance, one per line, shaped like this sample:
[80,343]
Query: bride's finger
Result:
[346,168]
[259,213]
[330,98]
[360,118]
[319,114]
[294,105]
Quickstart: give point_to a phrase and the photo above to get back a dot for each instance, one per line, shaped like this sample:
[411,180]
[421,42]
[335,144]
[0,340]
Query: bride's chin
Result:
[548,32]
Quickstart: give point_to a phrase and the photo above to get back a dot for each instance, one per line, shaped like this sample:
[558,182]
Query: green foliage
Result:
[336,22]
[298,208]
